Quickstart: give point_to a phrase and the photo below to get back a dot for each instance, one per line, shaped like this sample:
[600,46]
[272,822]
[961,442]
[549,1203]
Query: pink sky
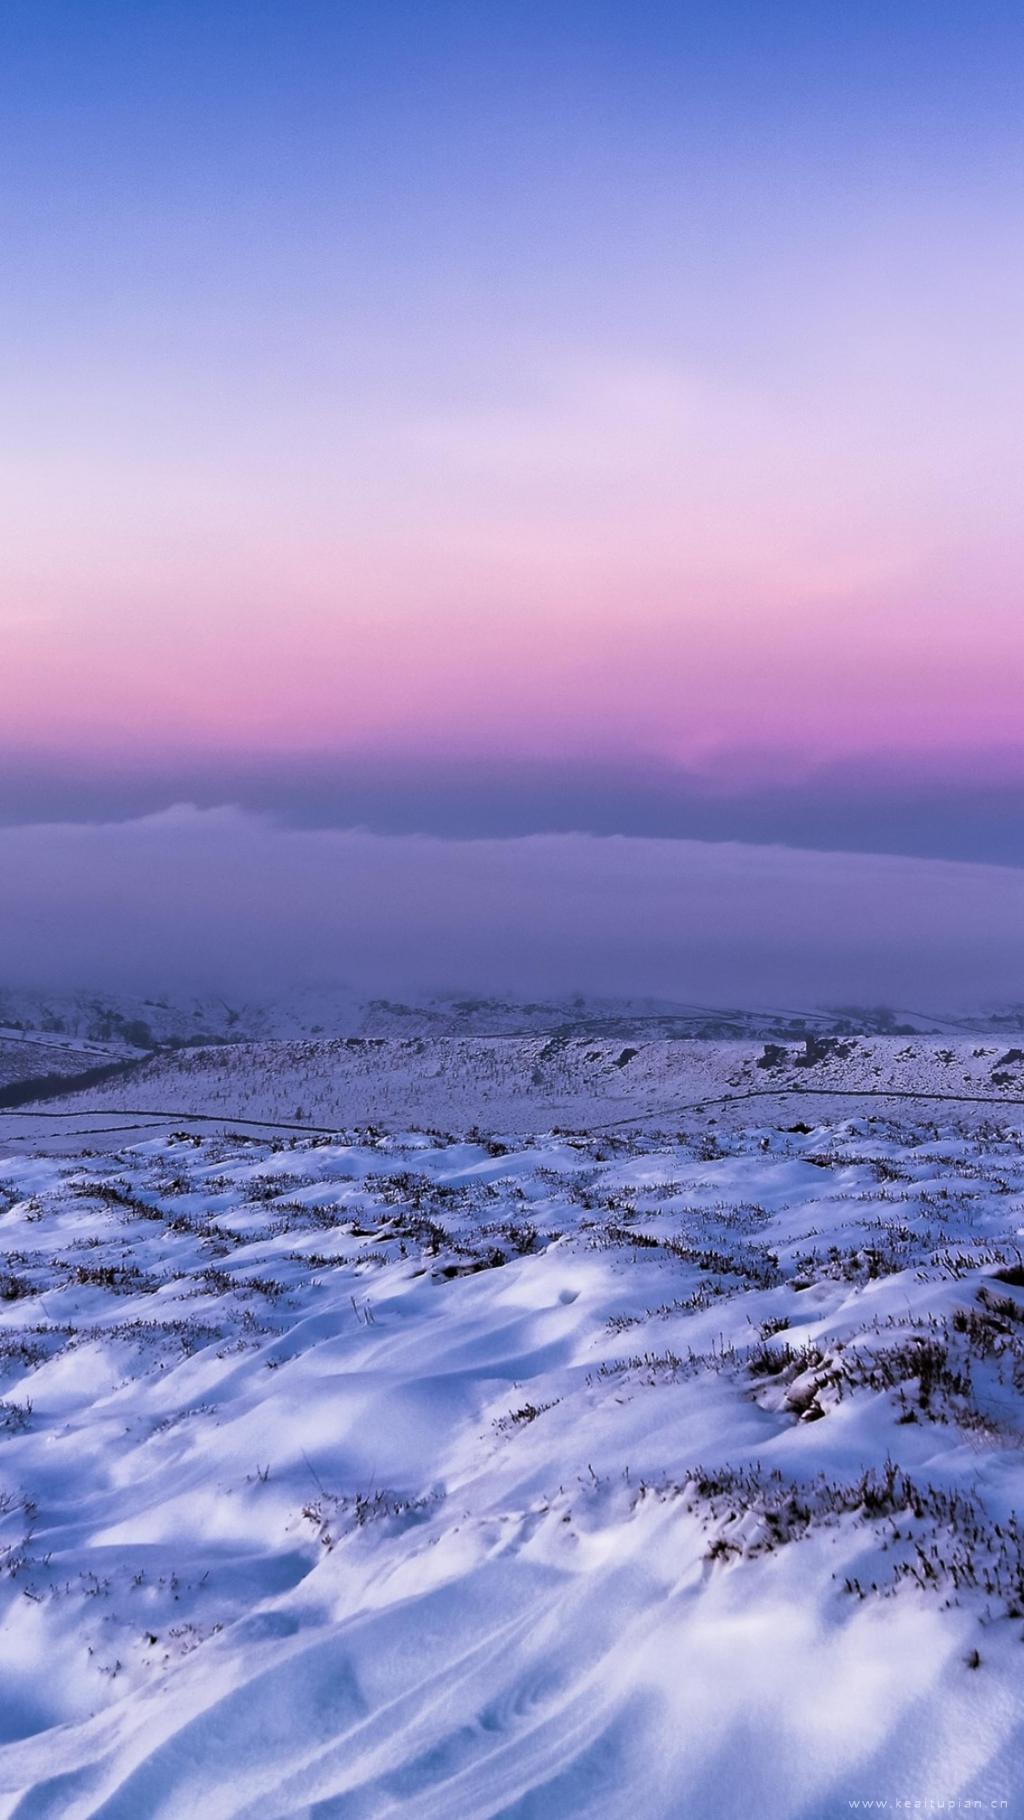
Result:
[489,422]
[627,561]
[659,396]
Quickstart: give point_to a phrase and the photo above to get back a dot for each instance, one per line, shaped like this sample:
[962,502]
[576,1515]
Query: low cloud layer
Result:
[227,900]
[970,807]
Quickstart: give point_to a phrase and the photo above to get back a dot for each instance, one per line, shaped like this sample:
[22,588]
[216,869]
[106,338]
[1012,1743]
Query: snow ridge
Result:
[602,1473]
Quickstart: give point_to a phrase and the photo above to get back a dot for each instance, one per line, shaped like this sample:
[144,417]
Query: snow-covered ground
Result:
[530,1084]
[337,1010]
[604,1474]
[33,1055]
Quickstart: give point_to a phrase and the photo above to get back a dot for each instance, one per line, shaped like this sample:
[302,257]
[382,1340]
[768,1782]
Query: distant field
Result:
[31,1055]
[524,1084]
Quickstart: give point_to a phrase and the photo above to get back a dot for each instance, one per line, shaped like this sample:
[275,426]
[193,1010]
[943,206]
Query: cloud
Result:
[221,898]
[932,806]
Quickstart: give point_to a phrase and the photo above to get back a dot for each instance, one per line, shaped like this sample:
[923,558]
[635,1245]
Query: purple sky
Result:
[489,421]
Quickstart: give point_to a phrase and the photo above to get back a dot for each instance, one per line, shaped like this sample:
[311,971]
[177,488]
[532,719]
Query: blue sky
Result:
[483,420]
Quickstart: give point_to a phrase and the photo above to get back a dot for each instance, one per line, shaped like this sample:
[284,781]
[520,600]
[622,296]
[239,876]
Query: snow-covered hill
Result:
[332,1011]
[537,1083]
[34,1055]
[137,1022]
[613,1476]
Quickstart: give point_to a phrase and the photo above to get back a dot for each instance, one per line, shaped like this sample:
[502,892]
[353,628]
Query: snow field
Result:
[598,1474]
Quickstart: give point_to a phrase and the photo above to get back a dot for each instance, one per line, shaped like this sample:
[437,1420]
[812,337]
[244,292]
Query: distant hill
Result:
[570,1081]
[140,1023]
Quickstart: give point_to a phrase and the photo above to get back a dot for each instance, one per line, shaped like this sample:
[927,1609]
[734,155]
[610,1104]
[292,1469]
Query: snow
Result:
[330,1010]
[531,1084]
[26,1056]
[606,1474]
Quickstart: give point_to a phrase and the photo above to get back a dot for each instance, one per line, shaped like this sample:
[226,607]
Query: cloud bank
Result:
[967,807]
[224,899]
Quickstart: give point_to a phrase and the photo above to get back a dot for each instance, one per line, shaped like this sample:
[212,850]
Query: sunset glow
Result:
[420,404]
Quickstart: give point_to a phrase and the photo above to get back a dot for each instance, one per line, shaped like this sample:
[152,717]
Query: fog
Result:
[969,806]
[221,899]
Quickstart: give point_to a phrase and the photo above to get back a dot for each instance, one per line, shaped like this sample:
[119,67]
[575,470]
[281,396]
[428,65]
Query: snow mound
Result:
[591,1474]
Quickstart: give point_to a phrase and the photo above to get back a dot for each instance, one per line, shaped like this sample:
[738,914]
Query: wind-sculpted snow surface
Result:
[593,1475]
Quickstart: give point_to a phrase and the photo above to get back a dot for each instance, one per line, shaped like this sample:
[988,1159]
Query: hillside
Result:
[536,1084]
[322,1012]
[32,1054]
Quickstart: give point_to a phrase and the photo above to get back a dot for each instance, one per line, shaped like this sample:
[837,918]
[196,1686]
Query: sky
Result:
[484,422]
